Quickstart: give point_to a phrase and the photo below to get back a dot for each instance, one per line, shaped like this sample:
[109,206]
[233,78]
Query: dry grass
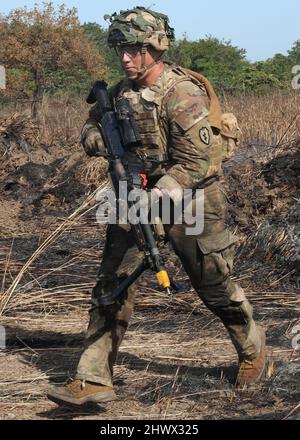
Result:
[267,121]
[61,118]
[89,204]
[94,171]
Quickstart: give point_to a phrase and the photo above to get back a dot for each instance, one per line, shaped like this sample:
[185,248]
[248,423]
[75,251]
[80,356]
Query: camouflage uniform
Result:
[173,119]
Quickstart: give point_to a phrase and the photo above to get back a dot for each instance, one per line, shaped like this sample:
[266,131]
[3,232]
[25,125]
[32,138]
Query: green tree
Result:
[219,60]
[98,36]
[294,53]
[43,42]
[183,52]
[251,79]
[280,67]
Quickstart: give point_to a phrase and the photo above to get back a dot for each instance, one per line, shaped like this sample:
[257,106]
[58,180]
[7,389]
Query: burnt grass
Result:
[176,360]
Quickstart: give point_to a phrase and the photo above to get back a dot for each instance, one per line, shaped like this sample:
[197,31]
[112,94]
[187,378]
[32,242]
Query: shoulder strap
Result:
[215,112]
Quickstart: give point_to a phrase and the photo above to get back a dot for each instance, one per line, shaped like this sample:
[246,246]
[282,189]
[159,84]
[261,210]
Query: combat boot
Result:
[251,371]
[79,392]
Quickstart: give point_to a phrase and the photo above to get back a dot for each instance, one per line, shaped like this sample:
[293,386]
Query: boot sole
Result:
[102,396]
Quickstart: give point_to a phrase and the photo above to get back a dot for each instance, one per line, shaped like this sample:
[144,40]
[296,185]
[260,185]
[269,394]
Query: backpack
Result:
[225,123]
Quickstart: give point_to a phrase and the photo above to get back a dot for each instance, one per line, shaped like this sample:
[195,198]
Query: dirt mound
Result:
[260,187]
[38,179]
[18,130]
[264,194]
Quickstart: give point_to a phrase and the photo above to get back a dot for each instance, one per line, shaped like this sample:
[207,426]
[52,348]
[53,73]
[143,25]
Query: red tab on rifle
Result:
[144,180]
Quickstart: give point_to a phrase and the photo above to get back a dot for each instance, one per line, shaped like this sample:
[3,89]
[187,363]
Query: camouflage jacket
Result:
[179,147]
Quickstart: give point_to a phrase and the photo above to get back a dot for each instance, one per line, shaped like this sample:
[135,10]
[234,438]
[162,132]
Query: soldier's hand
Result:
[92,142]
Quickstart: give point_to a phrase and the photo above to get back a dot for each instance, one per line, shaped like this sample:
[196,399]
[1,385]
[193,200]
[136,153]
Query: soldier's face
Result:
[131,59]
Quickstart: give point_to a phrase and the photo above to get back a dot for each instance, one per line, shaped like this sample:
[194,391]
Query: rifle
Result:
[120,132]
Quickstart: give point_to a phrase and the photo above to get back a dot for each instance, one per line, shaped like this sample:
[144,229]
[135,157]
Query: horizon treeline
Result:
[45,50]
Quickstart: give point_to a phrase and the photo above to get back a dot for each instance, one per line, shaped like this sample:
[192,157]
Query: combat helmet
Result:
[140,26]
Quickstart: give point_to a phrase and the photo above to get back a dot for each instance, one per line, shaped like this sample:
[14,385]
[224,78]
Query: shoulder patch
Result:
[204,135]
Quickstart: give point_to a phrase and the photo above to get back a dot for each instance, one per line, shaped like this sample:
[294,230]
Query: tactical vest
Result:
[150,115]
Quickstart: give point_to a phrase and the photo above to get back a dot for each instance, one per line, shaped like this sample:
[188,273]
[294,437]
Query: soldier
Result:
[178,120]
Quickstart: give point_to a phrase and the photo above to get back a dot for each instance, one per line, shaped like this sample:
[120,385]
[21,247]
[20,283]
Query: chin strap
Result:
[145,68]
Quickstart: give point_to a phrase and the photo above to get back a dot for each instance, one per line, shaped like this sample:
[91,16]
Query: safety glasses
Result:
[131,51]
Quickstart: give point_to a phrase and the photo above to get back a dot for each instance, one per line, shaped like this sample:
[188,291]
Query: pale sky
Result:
[262,27]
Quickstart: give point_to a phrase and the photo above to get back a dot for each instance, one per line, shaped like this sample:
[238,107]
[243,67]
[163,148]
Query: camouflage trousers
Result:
[207,258]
